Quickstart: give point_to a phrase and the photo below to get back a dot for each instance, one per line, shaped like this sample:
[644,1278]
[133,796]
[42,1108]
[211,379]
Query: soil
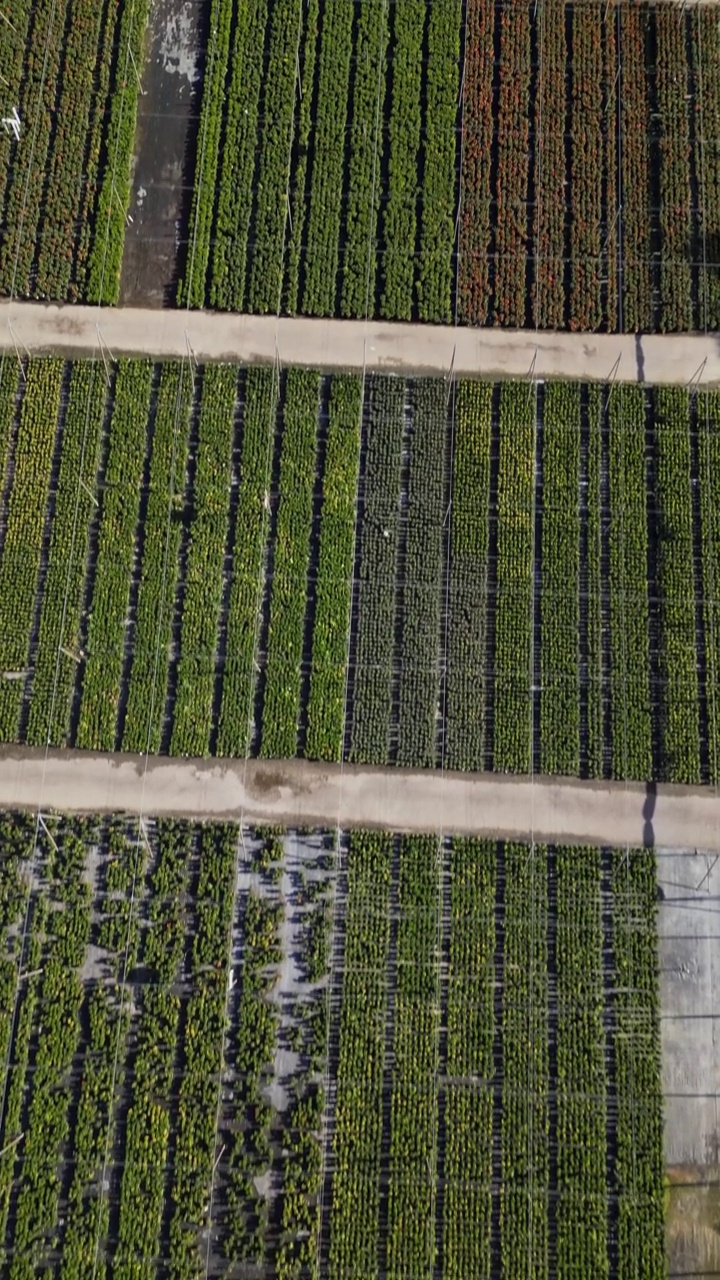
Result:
[167,123]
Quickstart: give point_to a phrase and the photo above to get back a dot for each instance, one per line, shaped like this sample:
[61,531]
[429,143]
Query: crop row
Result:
[582,1207]
[468,1114]
[122,484]
[281,711]
[203,583]
[65,183]
[360,1077]
[630,640]
[515,585]
[376,589]
[333,591]
[423,578]
[251,1050]
[24,530]
[560,597]
[467,675]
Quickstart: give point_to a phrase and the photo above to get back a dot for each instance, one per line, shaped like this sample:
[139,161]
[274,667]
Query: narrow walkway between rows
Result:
[375,346]
[300,793]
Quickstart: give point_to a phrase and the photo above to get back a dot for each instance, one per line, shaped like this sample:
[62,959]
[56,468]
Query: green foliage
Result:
[281,710]
[376,593]
[560,596]
[326,702]
[192,718]
[467,674]
[120,503]
[24,529]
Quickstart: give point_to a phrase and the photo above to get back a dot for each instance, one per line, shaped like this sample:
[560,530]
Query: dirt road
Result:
[298,793]
[353,344]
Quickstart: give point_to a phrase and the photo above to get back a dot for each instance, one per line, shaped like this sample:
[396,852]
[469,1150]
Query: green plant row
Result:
[105,262]
[399,222]
[560,596]
[514,604]
[59,634]
[24,530]
[357,1134]
[708,427]
[148,1121]
[193,711]
[324,218]
[582,1194]
[228,278]
[252,1052]
[630,643]
[260,409]
[411,1245]
[364,181]
[298,464]
[202,1050]
[147,691]
[524,1147]
[299,193]
[376,589]
[119,511]
[270,218]
[88,1216]
[423,588]
[596,675]
[18,1003]
[192,287]
[11,387]
[467,674]
[326,702]
[706,54]
[680,724]
[60,998]
[468,1109]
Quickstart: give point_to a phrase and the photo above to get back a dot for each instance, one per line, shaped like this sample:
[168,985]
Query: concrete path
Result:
[354,344]
[300,793]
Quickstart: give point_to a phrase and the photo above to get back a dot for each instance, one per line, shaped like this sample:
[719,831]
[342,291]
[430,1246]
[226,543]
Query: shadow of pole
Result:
[647,813]
[639,358]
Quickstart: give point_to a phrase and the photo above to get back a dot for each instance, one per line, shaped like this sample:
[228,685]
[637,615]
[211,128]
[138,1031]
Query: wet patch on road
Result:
[164,151]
